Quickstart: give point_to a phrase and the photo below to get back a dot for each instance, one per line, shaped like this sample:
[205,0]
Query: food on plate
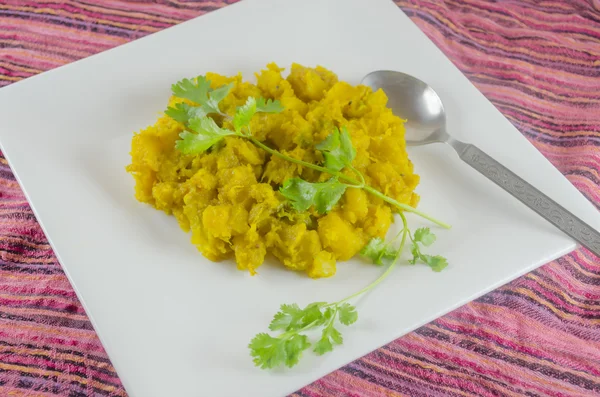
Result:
[229,196]
[308,168]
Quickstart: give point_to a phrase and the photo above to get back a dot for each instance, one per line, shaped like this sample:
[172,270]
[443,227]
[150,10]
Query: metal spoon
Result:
[414,100]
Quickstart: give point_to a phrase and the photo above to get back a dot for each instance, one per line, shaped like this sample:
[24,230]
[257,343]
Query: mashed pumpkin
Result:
[229,196]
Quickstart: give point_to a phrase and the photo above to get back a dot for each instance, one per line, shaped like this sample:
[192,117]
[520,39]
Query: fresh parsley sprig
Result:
[286,348]
[244,113]
[338,150]
[379,251]
[206,134]
[199,92]
[322,195]
[425,238]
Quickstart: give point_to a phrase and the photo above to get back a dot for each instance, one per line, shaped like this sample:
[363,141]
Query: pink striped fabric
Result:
[537,61]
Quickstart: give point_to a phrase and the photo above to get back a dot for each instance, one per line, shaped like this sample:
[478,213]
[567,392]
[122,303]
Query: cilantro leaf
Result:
[214,97]
[244,114]
[324,344]
[328,314]
[183,112]
[337,149]
[347,314]
[416,253]
[268,106]
[218,94]
[379,252]
[270,352]
[199,92]
[329,337]
[294,347]
[287,318]
[437,262]
[207,134]
[194,91]
[313,314]
[267,351]
[291,317]
[303,194]
[335,335]
[424,236]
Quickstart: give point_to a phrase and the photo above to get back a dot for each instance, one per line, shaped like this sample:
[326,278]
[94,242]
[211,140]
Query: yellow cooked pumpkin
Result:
[229,196]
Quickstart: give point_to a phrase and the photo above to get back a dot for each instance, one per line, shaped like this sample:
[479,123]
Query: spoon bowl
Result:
[412,100]
[421,107]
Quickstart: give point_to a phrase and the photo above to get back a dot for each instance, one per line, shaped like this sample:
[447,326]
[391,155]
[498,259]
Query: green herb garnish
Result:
[287,348]
[323,195]
[424,237]
[207,133]
[338,150]
[200,93]
[379,252]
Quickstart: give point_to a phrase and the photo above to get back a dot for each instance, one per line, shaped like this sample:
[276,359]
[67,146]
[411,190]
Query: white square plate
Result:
[175,324]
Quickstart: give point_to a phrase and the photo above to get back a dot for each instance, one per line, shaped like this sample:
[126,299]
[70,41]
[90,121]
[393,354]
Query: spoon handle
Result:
[530,196]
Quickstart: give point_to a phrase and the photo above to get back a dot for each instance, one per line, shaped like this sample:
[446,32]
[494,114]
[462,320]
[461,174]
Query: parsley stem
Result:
[333,316]
[405,207]
[299,162]
[360,175]
[348,179]
[391,267]
[286,335]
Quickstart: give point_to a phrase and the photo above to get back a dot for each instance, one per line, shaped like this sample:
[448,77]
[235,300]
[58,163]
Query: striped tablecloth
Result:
[537,61]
